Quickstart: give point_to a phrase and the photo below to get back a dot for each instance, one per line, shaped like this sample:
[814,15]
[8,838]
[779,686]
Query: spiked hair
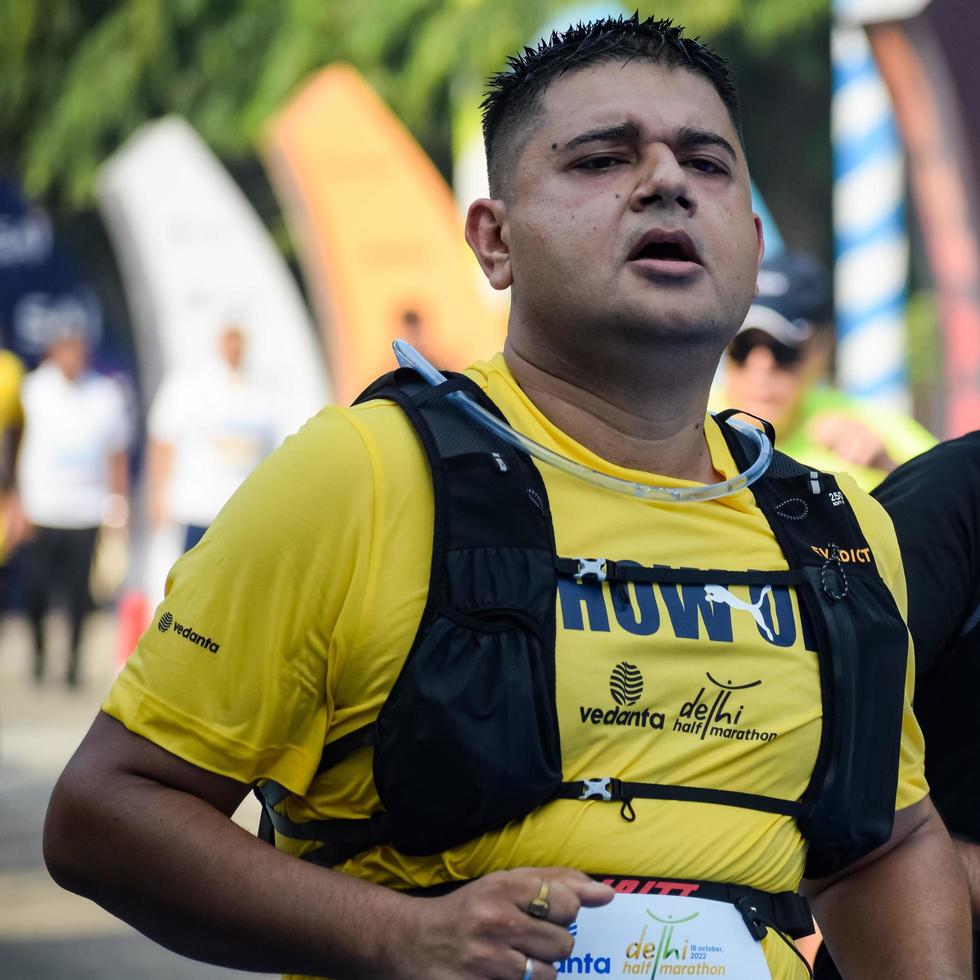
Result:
[514,96]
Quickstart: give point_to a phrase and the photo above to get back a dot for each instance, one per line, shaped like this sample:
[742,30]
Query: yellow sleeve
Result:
[232,675]
[880,534]
[11,377]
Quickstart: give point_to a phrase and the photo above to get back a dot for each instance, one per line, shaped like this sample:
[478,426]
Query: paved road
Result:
[47,933]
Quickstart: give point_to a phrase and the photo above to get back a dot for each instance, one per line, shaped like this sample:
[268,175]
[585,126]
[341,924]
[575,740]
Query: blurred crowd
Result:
[77,471]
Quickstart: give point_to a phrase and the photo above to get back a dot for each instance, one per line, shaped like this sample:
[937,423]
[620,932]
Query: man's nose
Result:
[760,361]
[662,181]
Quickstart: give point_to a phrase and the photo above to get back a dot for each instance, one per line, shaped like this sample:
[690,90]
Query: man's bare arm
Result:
[970,856]
[149,837]
[159,465]
[902,912]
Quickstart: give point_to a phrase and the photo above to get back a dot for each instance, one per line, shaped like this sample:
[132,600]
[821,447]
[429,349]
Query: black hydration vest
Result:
[468,737]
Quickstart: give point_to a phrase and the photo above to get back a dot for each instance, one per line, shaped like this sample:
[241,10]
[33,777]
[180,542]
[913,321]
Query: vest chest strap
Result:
[606,570]
[609,788]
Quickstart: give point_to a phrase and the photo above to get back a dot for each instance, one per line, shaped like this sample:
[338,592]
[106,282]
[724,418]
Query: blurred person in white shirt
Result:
[209,427]
[72,473]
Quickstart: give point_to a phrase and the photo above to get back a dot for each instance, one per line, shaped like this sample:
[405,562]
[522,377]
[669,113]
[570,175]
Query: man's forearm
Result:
[148,836]
[905,915]
[197,883]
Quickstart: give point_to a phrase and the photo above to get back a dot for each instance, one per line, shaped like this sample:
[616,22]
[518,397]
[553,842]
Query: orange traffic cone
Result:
[133,616]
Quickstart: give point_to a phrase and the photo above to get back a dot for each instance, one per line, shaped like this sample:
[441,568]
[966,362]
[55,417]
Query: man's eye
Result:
[598,163]
[706,166]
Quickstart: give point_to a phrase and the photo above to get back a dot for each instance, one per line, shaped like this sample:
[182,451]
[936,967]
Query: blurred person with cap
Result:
[209,427]
[72,472]
[778,367]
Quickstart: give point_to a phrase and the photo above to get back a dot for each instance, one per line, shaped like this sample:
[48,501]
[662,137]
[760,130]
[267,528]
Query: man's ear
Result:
[488,234]
[762,240]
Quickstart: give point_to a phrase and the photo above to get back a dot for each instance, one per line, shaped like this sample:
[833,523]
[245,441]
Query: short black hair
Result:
[514,96]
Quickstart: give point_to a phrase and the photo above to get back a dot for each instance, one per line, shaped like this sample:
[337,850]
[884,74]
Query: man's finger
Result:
[518,966]
[556,894]
[590,893]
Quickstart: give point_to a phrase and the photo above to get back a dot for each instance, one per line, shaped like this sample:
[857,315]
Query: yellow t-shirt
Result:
[11,376]
[11,418]
[306,593]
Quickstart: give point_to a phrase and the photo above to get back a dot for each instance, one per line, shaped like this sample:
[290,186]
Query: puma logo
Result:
[718,593]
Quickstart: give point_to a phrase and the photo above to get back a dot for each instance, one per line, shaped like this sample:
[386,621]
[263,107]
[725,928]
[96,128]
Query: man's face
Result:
[768,379]
[70,354]
[630,211]
[231,347]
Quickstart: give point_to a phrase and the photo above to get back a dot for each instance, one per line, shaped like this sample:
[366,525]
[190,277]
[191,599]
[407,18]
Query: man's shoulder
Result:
[11,366]
[372,442]
[106,385]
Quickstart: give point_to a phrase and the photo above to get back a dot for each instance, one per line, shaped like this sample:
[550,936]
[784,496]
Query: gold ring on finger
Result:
[540,906]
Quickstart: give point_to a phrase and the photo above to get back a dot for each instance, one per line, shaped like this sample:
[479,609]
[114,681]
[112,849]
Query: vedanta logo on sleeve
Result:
[167,621]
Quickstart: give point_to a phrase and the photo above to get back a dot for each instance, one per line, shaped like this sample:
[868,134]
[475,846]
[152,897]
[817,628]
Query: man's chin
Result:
[681,323]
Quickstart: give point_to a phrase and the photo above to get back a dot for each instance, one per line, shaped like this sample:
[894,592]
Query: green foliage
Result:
[78,76]
[923,341]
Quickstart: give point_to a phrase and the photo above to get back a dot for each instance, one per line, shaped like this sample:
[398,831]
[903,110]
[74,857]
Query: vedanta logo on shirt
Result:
[167,621]
[626,687]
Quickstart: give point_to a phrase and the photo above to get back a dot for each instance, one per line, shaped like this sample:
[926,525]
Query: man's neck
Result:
[653,427]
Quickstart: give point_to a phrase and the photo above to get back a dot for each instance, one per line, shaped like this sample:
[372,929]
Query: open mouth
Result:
[667,248]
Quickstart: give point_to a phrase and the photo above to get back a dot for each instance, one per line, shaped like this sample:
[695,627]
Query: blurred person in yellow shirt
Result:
[11,424]
[778,367]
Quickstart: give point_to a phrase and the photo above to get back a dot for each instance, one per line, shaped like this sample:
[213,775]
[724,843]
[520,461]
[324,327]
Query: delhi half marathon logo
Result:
[715,713]
[626,688]
[666,955]
[166,621]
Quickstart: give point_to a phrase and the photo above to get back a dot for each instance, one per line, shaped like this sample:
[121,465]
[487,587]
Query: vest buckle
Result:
[751,917]
[605,788]
[590,570]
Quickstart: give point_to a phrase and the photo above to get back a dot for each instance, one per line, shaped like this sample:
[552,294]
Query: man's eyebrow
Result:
[623,132]
[690,137]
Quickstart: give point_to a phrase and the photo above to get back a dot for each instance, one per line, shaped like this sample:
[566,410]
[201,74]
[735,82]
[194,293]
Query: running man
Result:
[487,702]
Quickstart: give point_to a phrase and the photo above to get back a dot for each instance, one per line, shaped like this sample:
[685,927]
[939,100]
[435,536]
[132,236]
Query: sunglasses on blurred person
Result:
[786,356]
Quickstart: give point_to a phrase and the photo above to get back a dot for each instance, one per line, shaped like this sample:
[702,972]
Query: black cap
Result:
[797,287]
[794,294]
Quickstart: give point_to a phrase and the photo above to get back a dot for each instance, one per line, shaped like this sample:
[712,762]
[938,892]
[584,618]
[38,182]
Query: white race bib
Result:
[663,936]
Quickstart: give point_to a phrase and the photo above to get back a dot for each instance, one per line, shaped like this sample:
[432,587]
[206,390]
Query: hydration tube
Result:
[409,357]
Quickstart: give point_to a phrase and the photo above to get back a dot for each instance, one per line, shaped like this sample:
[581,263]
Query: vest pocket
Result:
[467,740]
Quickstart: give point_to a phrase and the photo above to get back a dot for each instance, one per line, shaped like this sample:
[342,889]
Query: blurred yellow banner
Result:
[378,234]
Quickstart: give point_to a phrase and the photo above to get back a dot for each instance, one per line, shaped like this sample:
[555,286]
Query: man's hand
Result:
[17,527]
[850,439]
[484,929]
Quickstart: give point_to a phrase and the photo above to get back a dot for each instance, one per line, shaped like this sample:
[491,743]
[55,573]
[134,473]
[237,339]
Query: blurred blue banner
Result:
[41,289]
